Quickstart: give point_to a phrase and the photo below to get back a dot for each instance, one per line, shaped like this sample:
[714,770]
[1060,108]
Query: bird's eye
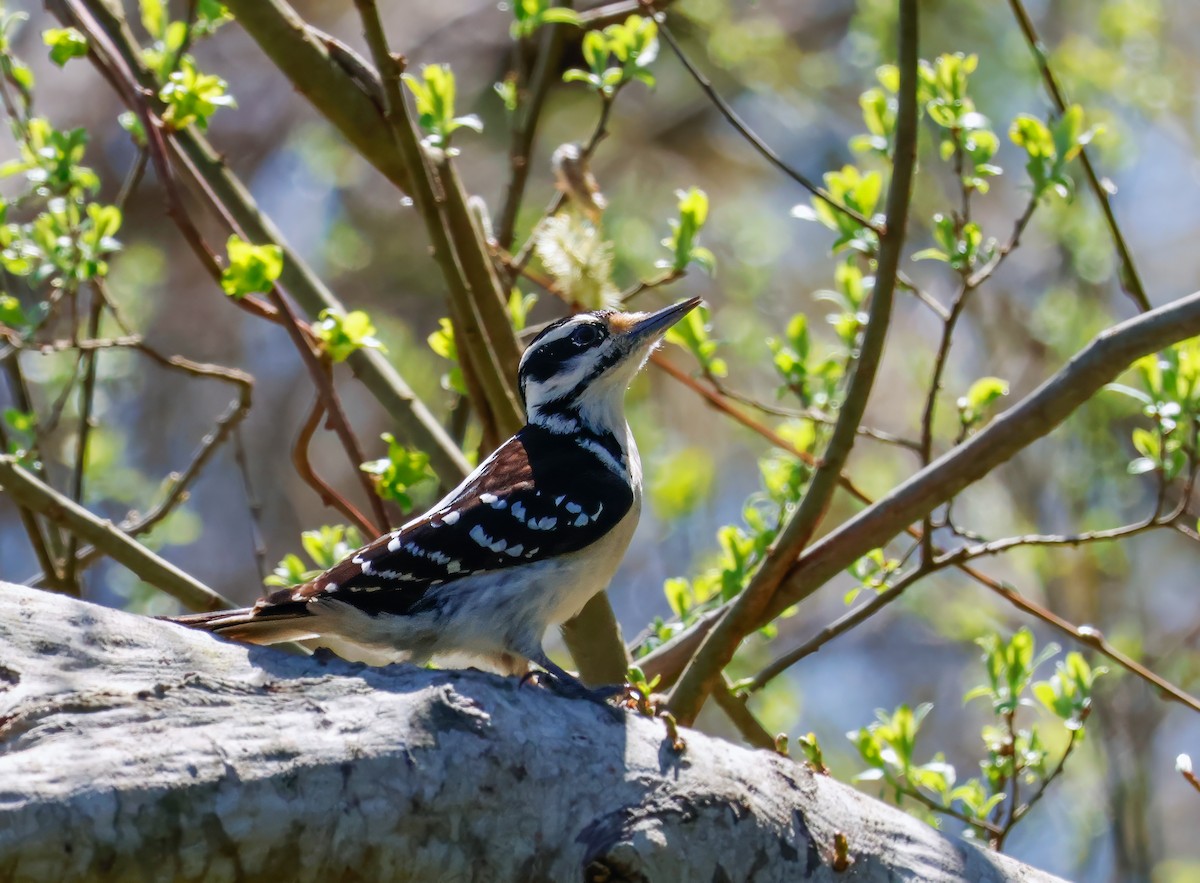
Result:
[585,335]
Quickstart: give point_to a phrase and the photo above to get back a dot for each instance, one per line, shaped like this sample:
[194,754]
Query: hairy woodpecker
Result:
[522,544]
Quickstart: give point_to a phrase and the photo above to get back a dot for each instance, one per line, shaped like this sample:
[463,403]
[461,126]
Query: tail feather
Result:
[249,624]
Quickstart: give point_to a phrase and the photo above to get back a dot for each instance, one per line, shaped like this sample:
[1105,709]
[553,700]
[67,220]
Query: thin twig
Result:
[755,141]
[612,13]
[835,629]
[925,800]
[923,296]
[518,262]
[87,396]
[1191,779]
[988,270]
[531,100]
[253,505]
[33,529]
[1020,812]
[304,469]
[931,397]
[740,716]
[814,414]
[322,378]
[1131,282]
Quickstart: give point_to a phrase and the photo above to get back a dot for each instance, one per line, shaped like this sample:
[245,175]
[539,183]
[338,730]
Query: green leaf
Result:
[192,96]
[561,15]
[595,50]
[435,94]
[250,268]
[693,212]
[131,123]
[398,472]
[986,391]
[65,44]
[154,17]
[507,90]
[11,313]
[290,571]
[1147,443]
[342,334]
[692,333]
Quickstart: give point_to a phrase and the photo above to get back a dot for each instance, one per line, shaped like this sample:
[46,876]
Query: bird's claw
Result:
[573,689]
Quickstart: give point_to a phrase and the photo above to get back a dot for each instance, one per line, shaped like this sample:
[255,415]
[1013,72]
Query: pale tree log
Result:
[133,749]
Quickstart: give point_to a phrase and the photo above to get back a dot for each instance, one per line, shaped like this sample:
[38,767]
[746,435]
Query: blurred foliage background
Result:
[794,71]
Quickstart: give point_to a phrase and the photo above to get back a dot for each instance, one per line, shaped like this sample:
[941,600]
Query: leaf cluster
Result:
[617,55]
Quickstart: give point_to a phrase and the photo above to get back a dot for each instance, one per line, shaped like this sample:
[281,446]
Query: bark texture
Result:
[132,749]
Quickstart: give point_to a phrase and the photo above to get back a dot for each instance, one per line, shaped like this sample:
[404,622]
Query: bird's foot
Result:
[573,688]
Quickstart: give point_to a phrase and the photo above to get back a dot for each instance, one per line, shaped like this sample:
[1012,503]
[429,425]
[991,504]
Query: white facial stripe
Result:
[563,331]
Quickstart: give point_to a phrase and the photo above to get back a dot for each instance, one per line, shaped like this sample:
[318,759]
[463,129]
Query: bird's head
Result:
[575,372]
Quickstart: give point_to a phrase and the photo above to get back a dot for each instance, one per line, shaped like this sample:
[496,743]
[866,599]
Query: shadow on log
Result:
[132,749]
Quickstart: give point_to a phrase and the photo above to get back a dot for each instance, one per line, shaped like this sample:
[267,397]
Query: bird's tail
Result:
[252,624]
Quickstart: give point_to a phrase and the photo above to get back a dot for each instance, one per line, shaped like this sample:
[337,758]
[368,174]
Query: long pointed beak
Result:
[652,326]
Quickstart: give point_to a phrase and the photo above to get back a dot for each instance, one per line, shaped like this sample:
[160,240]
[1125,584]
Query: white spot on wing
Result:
[518,512]
[450,517]
[394,545]
[479,536]
[396,575]
[515,550]
[558,500]
[574,508]
[488,498]
[366,567]
[581,520]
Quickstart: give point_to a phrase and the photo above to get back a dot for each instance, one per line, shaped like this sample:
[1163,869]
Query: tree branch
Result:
[1101,361]
[302,54]
[279,766]
[39,497]
[718,648]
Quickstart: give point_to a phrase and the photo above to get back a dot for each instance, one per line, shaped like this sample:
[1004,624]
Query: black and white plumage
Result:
[522,544]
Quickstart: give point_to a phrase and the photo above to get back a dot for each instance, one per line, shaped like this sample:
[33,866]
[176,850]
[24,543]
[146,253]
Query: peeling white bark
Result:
[132,749]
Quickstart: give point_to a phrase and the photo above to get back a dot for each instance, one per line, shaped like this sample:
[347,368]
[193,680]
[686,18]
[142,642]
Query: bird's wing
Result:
[534,498]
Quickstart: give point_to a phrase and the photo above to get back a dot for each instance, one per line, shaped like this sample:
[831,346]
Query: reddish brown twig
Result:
[304,469]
